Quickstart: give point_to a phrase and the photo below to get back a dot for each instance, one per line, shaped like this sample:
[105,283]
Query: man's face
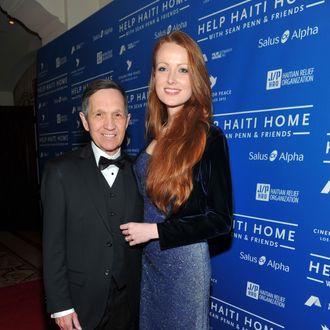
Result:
[107,120]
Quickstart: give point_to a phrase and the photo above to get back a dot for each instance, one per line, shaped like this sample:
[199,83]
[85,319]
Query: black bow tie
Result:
[105,162]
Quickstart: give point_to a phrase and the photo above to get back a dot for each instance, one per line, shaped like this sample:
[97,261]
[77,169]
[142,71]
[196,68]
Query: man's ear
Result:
[84,121]
[128,119]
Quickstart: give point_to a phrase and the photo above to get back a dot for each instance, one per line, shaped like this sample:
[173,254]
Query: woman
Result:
[184,176]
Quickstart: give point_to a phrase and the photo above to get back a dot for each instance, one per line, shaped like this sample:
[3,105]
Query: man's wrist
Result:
[63,313]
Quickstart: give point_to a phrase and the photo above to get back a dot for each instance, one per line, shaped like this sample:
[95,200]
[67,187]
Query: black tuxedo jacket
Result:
[78,240]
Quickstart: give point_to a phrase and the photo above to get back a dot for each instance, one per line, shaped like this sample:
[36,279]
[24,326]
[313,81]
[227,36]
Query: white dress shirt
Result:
[110,173]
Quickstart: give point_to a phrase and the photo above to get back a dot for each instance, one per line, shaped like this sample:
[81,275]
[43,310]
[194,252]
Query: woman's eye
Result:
[161,69]
[183,70]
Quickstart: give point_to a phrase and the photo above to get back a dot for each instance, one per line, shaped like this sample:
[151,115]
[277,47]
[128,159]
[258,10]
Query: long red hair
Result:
[170,172]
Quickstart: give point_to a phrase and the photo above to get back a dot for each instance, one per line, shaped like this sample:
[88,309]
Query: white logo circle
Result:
[262,260]
[285,36]
[273,155]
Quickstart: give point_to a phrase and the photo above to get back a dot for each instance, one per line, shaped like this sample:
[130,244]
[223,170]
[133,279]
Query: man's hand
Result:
[68,322]
[137,233]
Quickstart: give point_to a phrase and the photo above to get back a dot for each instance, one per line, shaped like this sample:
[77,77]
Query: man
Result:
[91,274]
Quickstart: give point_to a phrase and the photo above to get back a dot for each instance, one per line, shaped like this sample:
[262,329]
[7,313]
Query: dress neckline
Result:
[147,153]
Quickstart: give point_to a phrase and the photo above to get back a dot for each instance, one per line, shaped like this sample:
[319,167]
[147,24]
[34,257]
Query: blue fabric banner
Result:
[269,70]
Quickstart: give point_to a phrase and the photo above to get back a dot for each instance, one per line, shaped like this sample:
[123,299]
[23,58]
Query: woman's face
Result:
[172,77]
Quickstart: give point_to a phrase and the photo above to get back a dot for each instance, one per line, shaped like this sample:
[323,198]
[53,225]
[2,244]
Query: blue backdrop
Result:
[269,71]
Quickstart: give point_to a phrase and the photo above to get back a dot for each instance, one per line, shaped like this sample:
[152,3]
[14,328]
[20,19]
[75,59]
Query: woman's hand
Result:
[137,233]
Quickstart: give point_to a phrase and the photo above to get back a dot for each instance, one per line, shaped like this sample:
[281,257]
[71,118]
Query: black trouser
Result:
[117,315]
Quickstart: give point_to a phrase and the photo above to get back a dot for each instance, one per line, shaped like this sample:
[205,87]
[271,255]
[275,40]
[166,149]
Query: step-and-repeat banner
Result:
[269,67]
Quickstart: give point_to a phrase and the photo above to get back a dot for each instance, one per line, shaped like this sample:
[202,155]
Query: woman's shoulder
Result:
[141,157]
[216,141]
[214,132]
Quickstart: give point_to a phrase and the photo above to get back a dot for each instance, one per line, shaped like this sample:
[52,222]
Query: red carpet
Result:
[22,308]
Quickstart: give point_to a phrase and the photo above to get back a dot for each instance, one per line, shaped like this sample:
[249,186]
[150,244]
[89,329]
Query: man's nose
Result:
[109,122]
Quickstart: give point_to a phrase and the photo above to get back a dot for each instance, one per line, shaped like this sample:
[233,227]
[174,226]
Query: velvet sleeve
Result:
[208,211]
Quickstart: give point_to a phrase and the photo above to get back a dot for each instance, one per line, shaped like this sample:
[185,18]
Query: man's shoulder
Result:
[129,158]
[69,157]
[65,156]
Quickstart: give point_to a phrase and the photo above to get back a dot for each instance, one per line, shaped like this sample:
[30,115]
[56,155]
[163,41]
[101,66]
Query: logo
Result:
[302,33]
[60,99]
[323,234]
[297,34]
[59,61]
[42,105]
[327,150]
[61,118]
[324,327]
[77,62]
[285,36]
[326,188]
[262,261]
[213,81]
[254,291]
[129,64]
[128,142]
[270,41]
[220,53]
[122,49]
[273,155]
[270,232]
[262,192]
[44,154]
[167,30]
[277,79]
[104,32]
[149,15]
[103,56]
[274,78]
[228,314]
[265,193]
[313,301]
[99,57]
[318,269]
[58,118]
[266,126]
[76,47]
[287,157]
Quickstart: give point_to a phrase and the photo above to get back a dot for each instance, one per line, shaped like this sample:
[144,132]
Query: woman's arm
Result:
[208,211]
[215,214]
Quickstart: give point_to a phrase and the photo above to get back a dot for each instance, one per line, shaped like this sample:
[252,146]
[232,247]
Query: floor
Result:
[20,257]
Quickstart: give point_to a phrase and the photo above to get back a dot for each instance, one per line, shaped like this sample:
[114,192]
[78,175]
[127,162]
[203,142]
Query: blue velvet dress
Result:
[175,283]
